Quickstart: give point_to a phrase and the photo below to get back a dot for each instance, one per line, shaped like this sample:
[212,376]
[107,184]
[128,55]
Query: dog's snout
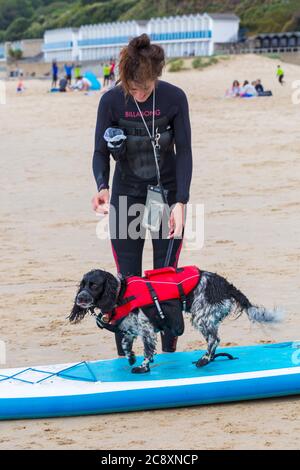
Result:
[84,298]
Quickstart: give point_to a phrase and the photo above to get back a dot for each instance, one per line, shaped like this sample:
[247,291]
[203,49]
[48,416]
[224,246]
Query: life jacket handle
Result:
[155,272]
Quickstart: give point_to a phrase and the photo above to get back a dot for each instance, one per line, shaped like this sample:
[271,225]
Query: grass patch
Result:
[273,55]
[176,65]
[202,62]
[224,57]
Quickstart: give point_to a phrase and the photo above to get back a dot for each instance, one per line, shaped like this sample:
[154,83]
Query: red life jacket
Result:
[165,284]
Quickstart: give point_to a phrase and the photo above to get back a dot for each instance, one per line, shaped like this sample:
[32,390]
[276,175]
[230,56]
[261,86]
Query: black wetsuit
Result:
[137,170]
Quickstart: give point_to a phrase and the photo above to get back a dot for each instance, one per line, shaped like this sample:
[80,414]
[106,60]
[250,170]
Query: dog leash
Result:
[169,252]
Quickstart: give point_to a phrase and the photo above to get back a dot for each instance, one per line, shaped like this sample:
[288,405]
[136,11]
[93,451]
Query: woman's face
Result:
[141,92]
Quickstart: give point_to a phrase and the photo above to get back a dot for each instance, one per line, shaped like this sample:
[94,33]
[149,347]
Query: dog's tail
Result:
[256,314]
[263,315]
[218,289]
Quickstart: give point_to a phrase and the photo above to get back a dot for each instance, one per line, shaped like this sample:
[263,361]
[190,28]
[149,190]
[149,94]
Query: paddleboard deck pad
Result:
[108,386]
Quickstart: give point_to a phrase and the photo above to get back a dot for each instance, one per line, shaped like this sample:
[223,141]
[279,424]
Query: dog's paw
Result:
[132,359]
[140,369]
[202,361]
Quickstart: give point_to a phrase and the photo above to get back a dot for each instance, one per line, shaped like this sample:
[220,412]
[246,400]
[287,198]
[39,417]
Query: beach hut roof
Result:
[277,35]
[223,16]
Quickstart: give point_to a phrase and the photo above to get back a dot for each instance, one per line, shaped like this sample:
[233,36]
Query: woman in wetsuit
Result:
[139,95]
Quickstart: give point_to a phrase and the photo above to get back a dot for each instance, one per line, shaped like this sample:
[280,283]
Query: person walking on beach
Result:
[20,86]
[68,70]
[280,74]
[147,109]
[77,72]
[112,72]
[54,74]
[106,74]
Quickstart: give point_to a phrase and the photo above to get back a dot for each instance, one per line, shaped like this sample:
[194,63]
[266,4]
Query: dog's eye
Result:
[93,285]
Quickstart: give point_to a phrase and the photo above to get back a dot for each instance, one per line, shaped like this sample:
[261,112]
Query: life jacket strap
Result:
[155,300]
[182,297]
[125,300]
[105,323]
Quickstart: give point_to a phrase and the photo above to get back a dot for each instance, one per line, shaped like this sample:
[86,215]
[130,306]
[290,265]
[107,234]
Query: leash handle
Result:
[171,243]
[169,252]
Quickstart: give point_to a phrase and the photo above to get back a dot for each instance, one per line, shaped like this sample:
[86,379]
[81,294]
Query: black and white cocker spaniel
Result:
[212,300]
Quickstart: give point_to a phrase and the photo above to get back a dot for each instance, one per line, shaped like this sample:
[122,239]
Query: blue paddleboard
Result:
[108,386]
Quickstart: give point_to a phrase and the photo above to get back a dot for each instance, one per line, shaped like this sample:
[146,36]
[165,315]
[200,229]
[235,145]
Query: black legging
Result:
[128,252]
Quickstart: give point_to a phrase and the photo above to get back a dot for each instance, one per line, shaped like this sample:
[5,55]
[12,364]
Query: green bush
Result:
[212,61]
[273,55]
[15,54]
[16,29]
[35,30]
[176,65]
[197,63]
[202,62]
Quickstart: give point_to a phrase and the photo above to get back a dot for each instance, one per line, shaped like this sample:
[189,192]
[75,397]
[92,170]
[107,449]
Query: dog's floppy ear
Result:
[77,312]
[109,295]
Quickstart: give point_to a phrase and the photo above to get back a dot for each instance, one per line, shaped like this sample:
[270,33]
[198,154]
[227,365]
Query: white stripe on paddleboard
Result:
[58,386]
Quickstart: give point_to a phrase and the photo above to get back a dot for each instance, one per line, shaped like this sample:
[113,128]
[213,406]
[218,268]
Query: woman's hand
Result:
[176,221]
[100,202]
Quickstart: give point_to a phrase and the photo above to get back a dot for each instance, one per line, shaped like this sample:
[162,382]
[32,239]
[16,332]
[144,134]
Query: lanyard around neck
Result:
[153,110]
[153,138]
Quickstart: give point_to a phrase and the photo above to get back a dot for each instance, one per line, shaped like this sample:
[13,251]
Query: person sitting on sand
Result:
[260,89]
[234,90]
[63,83]
[258,86]
[247,90]
[82,84]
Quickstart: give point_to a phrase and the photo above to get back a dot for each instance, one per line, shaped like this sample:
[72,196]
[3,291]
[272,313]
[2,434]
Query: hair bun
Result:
[140,62]
[140,42]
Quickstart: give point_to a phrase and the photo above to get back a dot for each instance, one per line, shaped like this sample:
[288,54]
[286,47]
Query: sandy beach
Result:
[247,175]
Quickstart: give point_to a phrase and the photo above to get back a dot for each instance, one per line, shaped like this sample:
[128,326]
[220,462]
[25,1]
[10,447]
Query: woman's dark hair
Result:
[140,62]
